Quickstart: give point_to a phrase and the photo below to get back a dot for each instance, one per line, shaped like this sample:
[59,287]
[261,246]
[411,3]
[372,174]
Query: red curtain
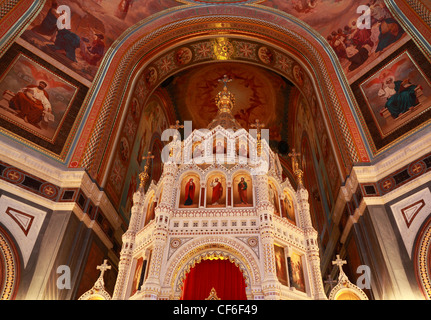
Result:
[222,275]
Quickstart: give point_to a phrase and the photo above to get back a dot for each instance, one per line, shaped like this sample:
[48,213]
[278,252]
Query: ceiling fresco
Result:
[259,94]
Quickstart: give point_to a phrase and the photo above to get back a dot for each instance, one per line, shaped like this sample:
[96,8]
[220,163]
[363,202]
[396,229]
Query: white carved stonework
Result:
[410,213]
[220,223]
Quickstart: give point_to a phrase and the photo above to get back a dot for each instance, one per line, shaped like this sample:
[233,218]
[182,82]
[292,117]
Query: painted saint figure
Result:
[93,52]
[400,95]
[48,26]
[273,197]
[217,191]
[242,191]
[189,192]
[32,103]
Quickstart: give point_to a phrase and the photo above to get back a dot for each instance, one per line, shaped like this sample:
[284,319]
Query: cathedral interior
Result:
[89,88]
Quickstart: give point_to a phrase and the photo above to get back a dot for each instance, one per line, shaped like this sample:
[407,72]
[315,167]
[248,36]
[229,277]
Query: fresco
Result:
[397,93]
[259,94]
[35,98]
[336,20]
[141,134]
[86,29]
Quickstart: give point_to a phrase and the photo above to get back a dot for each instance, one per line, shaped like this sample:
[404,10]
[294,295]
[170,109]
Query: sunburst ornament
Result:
[223,49]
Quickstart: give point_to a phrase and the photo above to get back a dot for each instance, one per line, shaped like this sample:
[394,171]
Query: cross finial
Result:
[294,155]
[225,80]
[295,167]
[330,281]
[176,125]
[103,267]
[258,125]
[339,262]
[143,176]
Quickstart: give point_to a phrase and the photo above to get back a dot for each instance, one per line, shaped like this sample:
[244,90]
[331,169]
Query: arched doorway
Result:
[221,274]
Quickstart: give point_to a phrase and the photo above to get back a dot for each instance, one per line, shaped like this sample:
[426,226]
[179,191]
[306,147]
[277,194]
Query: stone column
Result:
[125,264]
[152,287]
[312,252]
[270,283]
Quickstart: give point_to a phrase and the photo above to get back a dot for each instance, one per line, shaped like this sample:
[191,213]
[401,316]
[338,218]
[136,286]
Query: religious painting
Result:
[273,197]
[189,191]
[78,33]
[140,134]
[357,48]
[398,93]
[39,102]
[219,147]
[137,275]
[280,264]
[35,98]
[242,190]
[242,150]
[150,215]
[288,207]
[198,151]
[297,268]
[216,191]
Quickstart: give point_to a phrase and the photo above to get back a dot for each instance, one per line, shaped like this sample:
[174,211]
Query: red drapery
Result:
[222,275]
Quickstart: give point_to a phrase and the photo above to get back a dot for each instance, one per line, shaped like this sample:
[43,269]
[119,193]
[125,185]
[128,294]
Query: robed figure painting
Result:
[397,93]
[35,98]
[216,192]
[189,194]
[243,191]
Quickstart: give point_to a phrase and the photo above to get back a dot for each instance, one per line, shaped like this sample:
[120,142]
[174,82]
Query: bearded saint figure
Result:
[217,191]
[242,190]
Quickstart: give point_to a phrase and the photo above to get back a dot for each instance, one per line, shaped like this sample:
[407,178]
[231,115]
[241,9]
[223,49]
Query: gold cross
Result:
[416,168]
[143,176]
[49,190]
[295,166]
[258,125]
[387,184]
[176,125]
[13,175]
[225,80]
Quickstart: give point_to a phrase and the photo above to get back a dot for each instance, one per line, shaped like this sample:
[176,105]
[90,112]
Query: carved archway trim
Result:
[212,246]
[422,259]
